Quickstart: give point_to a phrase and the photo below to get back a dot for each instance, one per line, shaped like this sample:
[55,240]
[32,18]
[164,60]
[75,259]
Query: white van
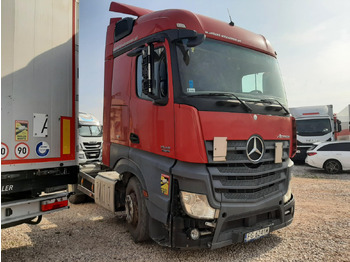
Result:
[90,139]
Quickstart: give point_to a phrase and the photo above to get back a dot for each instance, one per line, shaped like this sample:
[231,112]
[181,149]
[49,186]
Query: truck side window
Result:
[160,74]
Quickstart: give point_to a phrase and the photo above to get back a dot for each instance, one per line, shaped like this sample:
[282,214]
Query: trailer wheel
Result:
[136,211]
[332,166]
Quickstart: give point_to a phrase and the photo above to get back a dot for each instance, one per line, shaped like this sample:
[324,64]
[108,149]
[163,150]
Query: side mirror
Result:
[162,98]
[154,76]
[192,42]
[338,127]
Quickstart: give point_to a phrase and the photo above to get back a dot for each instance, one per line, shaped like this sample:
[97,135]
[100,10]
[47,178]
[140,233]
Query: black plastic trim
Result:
[33,182]
[123,28]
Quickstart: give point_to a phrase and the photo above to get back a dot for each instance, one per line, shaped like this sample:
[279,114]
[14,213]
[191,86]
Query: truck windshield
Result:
[89,131]
[313,127]
[216,67]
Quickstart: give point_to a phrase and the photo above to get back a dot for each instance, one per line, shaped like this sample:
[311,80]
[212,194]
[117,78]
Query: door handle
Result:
[134,138]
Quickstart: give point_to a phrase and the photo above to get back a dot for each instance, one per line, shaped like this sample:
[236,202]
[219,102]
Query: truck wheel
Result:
[136,211]
[332,166]
[77,198]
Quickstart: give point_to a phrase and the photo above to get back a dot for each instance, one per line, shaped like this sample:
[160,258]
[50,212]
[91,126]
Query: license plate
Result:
[256,234]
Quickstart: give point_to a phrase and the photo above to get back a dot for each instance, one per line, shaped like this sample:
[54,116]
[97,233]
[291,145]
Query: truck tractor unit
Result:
[197,136]
[39,55]
[90,139]
[314,124]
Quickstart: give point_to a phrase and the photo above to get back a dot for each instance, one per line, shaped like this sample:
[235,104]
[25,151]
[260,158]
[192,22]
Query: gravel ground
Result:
[320,232]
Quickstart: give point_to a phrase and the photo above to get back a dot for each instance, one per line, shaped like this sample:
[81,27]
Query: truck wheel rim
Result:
[131,208]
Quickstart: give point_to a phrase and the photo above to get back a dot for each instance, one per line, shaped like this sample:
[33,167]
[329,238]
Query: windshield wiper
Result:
[270,101]
[231,95]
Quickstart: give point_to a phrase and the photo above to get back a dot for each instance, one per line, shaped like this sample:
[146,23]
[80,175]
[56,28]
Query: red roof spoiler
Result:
[128,9]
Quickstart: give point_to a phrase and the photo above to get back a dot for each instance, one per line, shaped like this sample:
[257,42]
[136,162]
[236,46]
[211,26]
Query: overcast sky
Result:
[311,37]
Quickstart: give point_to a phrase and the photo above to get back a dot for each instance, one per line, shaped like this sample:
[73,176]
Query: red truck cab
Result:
[197,126]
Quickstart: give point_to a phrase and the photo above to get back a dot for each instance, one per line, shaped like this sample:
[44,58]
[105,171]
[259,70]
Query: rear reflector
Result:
[311,153]
[54,203]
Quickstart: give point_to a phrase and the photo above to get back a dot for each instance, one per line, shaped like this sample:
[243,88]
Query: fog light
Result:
[195,234]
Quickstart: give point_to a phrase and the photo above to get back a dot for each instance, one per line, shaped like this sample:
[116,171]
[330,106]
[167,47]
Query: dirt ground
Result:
[86,232]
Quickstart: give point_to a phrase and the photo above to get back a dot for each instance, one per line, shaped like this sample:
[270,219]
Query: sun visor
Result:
[128,9]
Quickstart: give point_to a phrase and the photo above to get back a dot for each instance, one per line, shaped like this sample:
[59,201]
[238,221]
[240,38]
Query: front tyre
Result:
[332,166]
[136,211]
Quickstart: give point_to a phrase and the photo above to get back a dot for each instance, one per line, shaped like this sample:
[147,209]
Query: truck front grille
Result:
[92,145]
[237,179]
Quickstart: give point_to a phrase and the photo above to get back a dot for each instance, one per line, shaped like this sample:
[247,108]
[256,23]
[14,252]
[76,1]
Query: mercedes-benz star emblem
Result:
[255,149]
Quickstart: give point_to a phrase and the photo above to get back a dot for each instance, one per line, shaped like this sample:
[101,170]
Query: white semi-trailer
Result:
[39,90]
[343,118]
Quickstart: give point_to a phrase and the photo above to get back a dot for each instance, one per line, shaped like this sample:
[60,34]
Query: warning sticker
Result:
[191,88]
[164,184]
[21,130]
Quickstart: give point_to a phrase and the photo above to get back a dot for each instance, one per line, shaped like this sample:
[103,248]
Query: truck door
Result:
[152,130]
[152,115]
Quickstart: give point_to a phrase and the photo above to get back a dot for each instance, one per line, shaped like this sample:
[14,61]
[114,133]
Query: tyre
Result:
[77,198]
[332,166]
[136,211]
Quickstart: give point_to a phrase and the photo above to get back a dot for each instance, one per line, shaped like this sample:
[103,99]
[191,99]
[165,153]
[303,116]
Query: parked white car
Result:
[334,156]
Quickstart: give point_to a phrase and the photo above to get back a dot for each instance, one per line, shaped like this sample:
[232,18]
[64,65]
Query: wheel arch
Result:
[127,168]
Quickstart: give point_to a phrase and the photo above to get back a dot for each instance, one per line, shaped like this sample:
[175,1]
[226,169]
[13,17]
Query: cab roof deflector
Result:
[128,9]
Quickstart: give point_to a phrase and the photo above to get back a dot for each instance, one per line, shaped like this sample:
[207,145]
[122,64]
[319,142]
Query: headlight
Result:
[288,195]
[197,206]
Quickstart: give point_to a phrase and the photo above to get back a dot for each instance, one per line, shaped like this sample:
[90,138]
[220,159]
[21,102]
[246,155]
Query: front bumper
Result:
[230,229]
[274,218]
[88,156]
[249,211]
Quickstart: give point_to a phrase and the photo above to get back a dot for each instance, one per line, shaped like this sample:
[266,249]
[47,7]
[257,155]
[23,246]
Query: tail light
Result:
[54,203]
[311,153]
[294,138]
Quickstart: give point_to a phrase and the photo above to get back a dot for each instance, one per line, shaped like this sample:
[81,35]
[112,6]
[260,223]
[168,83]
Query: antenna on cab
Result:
[231,23]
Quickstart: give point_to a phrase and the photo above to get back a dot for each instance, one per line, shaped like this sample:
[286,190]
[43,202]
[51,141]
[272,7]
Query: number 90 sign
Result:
[22,150]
